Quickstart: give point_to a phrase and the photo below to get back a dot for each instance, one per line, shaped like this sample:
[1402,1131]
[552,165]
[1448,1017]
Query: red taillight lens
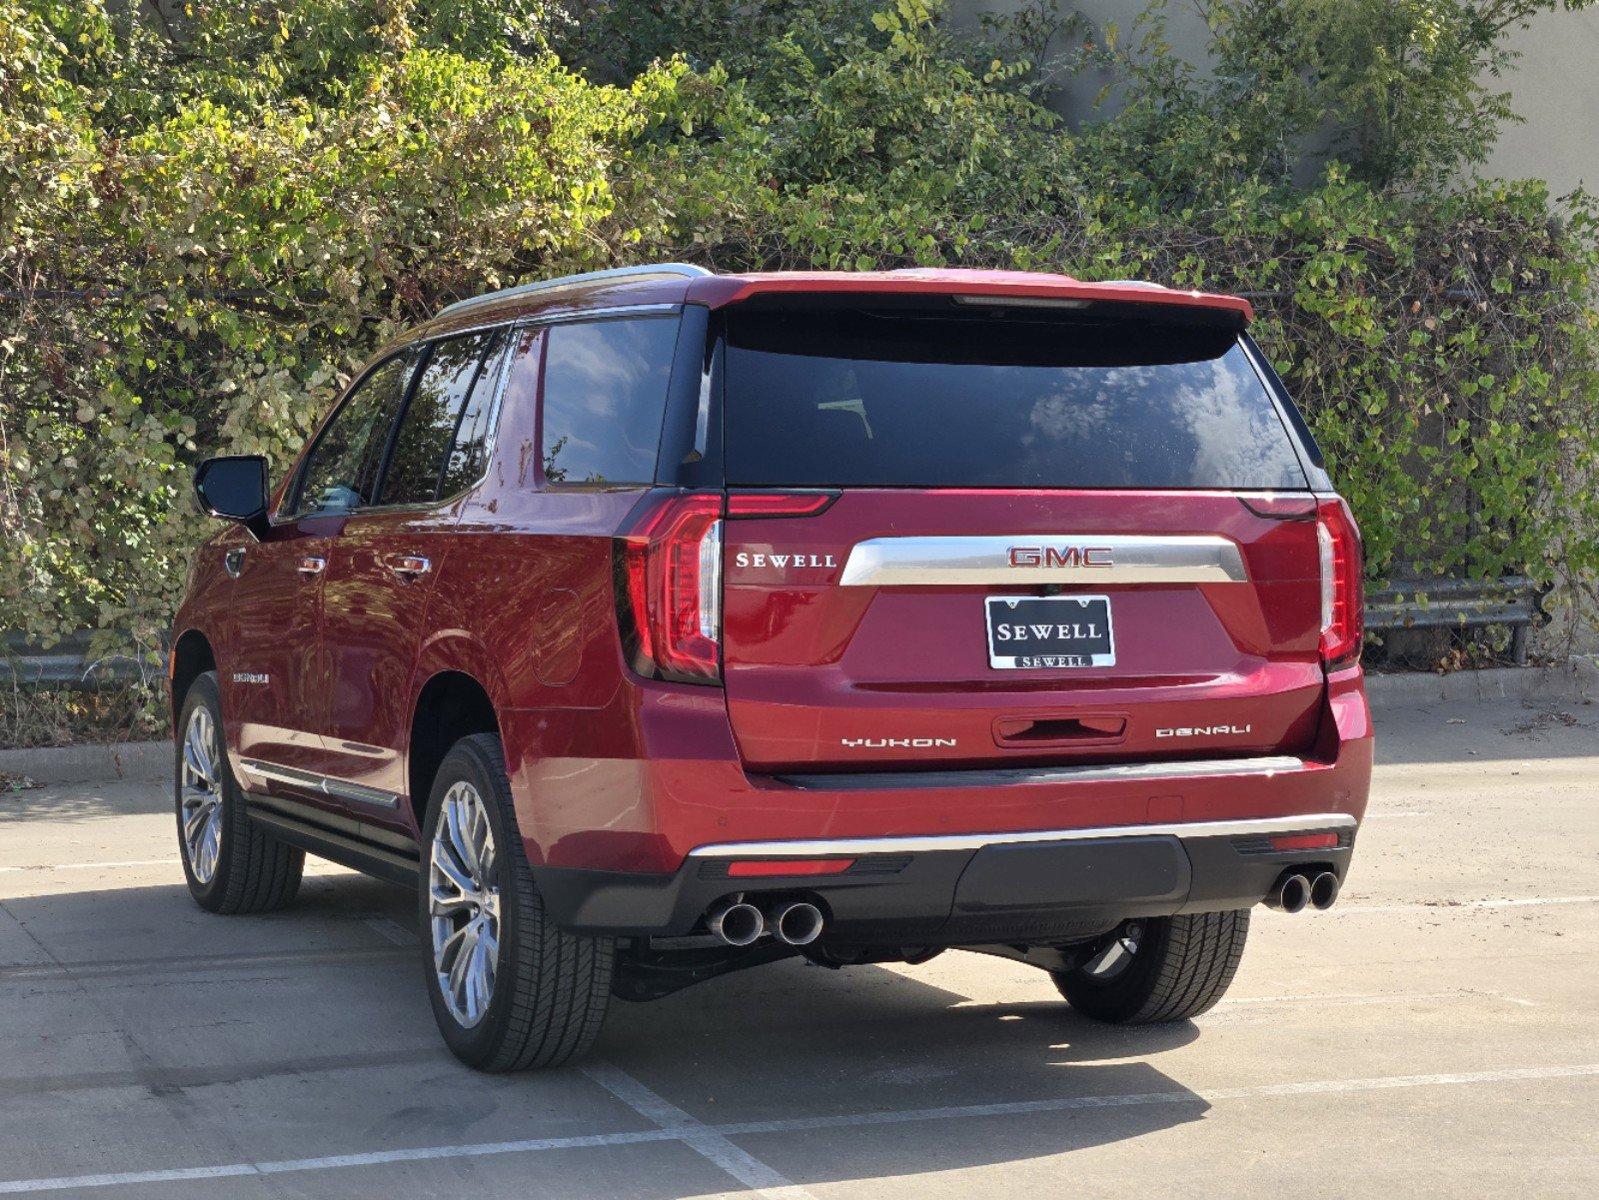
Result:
[778,504]
[672,571]
[1343,603]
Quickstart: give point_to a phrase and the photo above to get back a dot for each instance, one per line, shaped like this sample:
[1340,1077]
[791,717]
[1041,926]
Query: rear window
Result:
[604,399]
[899,399]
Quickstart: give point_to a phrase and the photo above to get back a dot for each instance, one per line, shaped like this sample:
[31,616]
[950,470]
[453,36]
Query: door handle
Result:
[311,565]
[408,566]
[233,562]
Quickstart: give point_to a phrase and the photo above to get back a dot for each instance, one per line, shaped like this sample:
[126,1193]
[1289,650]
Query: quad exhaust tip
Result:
[798,924]
[737,924]
[1295,892]
[1291,894]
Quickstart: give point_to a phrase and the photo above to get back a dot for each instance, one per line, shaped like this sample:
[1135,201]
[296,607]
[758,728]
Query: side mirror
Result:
[235,488]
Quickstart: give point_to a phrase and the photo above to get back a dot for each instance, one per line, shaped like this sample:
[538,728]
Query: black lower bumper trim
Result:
[1016,892]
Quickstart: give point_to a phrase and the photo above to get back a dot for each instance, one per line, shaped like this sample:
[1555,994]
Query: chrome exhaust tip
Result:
[737,923]
[1291,894]
[798,924]
[1324,890]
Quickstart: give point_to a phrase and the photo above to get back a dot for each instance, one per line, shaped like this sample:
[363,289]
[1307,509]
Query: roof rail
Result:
[526,289]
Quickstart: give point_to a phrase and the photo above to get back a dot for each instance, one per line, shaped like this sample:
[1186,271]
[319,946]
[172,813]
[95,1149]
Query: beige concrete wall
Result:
[1554,86]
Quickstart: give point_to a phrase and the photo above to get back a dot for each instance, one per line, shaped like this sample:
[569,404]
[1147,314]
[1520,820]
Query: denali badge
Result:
[251,677]
[1204,731]
[896,743]
[1061,556]
[745,559]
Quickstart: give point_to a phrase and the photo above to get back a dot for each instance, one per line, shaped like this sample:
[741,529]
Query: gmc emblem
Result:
[1060,556]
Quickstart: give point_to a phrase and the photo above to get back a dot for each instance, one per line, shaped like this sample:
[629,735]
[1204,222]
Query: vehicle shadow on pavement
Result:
[319,1010]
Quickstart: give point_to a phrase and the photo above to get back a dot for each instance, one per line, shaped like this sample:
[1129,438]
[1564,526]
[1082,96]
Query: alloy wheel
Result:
[201,795]
[464,905]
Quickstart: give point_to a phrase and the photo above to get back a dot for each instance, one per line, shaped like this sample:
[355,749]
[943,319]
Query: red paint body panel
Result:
[615,771]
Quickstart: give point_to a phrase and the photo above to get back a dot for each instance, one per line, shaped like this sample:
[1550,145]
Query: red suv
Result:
[654,623]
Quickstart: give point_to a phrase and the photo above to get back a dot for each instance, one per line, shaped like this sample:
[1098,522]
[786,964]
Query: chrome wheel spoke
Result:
[200,796]
[463,905]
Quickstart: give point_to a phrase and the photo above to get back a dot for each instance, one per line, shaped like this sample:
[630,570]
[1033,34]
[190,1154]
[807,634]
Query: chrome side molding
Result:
[848,847]
[310,781]
[1086,558]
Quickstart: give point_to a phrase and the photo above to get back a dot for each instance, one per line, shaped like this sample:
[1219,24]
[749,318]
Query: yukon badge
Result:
[251,677]
[921,743]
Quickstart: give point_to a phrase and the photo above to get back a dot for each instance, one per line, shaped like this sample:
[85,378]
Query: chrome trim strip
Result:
[687,270]
[923,561]
[827,847]
[310,781]
[1204,768]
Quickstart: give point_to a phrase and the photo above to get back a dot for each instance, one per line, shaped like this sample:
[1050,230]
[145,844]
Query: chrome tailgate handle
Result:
[311,564]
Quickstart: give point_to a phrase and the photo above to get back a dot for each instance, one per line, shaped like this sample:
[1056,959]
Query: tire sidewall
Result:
[204,692]
[1122,996]
[466,762]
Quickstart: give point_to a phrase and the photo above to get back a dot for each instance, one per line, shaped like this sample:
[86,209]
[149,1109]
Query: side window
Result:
[450,402]
[341,471]
[604,398]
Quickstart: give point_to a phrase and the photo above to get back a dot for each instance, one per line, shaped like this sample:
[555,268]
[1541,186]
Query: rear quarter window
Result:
[605,386]
[901,399]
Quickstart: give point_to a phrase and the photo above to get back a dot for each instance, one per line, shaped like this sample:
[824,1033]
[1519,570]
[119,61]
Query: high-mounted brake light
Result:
[1343,611]
[672,578]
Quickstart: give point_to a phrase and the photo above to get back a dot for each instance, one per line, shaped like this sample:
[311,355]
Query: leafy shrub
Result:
[204,232]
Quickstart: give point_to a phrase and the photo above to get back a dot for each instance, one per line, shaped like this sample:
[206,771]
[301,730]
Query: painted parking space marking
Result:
[699,1137]
[680,1127]
[1443,906]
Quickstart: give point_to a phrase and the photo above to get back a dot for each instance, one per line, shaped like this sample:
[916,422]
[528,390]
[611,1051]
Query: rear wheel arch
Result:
[451,705]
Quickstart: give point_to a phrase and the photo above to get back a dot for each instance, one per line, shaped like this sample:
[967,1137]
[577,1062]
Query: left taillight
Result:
[670,583]
[1343,604]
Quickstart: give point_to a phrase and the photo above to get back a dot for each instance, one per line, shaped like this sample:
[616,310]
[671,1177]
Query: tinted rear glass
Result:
[905,400]
[604,399]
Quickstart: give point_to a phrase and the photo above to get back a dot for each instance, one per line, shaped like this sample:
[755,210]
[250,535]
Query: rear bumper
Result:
[970,888]
[954,857]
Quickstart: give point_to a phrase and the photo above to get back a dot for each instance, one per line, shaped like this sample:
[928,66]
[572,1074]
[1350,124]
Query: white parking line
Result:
[94,866]
[679,1126]
[699,1137]
[1458,905]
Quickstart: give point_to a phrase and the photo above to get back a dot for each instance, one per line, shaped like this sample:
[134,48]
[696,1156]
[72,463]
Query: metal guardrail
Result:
[67,664]
[1455,604]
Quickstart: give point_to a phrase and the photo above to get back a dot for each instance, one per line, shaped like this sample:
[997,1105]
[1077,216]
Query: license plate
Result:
[1046,632]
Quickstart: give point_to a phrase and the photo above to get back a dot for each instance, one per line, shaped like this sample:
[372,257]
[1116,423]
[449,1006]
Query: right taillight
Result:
[1343,612]
[671,579]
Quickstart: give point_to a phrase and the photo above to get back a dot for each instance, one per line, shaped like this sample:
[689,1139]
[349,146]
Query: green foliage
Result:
[204,229]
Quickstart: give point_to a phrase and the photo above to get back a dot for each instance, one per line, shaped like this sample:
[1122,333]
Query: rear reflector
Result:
[1304,841]
[778,504]
[750,868]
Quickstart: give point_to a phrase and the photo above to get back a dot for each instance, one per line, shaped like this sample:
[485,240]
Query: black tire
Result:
[254,872]
[551,987]
[1181,968]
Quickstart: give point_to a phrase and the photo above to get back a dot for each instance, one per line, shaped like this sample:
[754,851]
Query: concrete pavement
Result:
[1433,1035]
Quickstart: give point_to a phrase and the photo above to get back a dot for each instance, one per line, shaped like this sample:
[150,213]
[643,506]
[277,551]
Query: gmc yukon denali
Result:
[653,624]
